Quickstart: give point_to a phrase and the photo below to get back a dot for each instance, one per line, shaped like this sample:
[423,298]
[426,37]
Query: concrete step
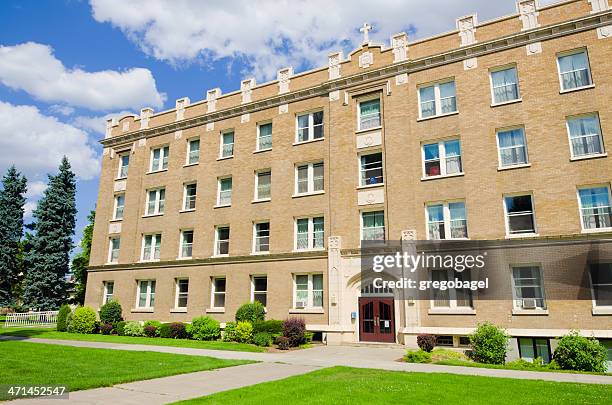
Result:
[374,344]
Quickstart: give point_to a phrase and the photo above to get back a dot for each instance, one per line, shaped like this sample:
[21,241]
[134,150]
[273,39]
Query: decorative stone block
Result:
[369,139]
[246,89]
[181,103]
[245,118]
[366,59]
[210,126]
[401,79]
[534,48]
[283,108]
[114,227]
[211,99]
[371,196]
[334,63]
[467,29]
[528,13]
[399,44]
[470,63]
[145,116]
[334,95]
[283,76]
[120,185]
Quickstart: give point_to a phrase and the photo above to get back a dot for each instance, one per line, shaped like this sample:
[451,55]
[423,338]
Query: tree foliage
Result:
[81,260]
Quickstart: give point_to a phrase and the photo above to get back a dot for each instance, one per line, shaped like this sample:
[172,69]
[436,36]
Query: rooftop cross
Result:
[366,29]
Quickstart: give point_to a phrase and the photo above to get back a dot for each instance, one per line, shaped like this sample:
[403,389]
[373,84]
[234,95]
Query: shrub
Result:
[244,332]
[272,326]
[155,324]
[111,312]
[418,356]
[251,312]
[263,339]
[426,342]
[69,320]
[174,330]
[229,333]
[576,352]
[308,337]
[106,328]
[119,328]
[294,329]
[83,320]
[133,329]
[489,344]
[63,313]
[283,343]
[204,328]
[150,330]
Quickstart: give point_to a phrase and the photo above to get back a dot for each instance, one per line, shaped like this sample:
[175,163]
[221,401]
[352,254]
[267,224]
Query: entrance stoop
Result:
[379,345]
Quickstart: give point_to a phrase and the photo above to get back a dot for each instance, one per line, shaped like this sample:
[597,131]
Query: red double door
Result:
[376,320]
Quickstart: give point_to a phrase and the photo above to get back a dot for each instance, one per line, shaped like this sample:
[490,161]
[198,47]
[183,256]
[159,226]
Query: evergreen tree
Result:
[81,260]
[49,258]
[12,201]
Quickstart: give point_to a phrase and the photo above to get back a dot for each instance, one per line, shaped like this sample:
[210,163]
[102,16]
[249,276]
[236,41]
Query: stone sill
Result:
[308,141]
[142,310]
[306,311]
[453,311]
[590,86]
[518,100]
[178,311]
[446,176]
[215,310]
[602,311]
[521,166]
[438,116]
[587,157]
[530,312]
[307,194]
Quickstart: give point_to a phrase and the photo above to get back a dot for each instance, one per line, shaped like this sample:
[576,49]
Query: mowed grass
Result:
[345,385]
[24,363]
[51,333]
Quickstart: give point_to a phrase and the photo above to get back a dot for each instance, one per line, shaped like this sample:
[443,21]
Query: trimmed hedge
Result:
[419,356]
[152,327]
[489,344]
[263,339]
[62,315]
[119,326]
[173,330]
[251,312]
[271,326]
[111,312]
[576,352]
[204,328]
[83,320]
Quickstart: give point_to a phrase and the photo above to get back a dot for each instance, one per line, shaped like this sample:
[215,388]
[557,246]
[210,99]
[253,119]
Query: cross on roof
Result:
[366,29]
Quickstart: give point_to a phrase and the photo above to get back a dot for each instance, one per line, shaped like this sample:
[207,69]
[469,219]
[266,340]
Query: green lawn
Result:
[50,333]
[347,385]
[25,363]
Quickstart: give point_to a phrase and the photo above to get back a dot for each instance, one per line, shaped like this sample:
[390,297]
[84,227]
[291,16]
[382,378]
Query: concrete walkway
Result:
[274,366]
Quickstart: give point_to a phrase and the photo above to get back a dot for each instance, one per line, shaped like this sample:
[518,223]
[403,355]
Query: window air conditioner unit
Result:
[529,303]
[300,304]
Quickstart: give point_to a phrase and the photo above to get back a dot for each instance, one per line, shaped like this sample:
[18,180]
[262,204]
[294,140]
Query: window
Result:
[262,185]
[373,225]
[601,281]
[151,245]
[193,151]
[528,287]
[124,163]
[309,126]
[451,298]
[227,144]
[369,114]
[595,209]
[159,159]
[189,199]
[574,71]
[109,288]
[156,200]
[532,348]
[182,293]
[113,251]
[261,237]
[264,136]
[119,206]
[512,147]
[585,135]
[308,290]
[222,241]
[309,233]
[447,221]
[437,99]
[309,178]
[225,192]
[504,85]
[146,294]
[259,289]
[442,158]
[520,218]
[371,169]
[186,245]
[218,292]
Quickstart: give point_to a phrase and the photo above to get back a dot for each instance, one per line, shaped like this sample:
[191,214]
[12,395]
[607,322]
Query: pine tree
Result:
[12,201]
[81,260]
[49,258]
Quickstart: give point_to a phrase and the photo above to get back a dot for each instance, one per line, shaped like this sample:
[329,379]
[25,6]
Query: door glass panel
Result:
[384,311]
[368,317]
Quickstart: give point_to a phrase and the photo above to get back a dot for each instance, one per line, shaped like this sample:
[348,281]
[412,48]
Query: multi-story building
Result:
[496,130]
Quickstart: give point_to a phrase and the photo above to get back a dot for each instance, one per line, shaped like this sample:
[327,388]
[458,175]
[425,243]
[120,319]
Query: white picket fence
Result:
[45,318]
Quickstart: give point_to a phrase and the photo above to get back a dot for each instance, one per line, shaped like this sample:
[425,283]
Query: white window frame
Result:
[149,294]
[437,98]
[154,238]
[570,53]
[219,180]
[259,125]
[178,293]
[441,158]
[311,190]
[447,218]
[586,187]
[499,157]
[221,144]
[214,292]
[452,293]
[195,197]
[310,127]
[159,208]
[182,242]
[515,299]
[605,308]
[106,297]
[164,153]
[256,197]
[254,247]
[216,249]
[116,206]
[533,213]
[188,157]
[253,291]
[518,86]
[121,156]
[380,112]
[599,133]
[310,233]
[310,299]
[361,229]
[361,169]
[110,249]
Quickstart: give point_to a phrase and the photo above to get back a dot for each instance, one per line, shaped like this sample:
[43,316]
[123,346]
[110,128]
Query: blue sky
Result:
[67,65]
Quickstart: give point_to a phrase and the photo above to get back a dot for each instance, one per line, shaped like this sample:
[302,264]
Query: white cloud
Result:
[36,188]
[96,123]
[268,34]
[35,144]
[29,208]
[33,68]
[61,109]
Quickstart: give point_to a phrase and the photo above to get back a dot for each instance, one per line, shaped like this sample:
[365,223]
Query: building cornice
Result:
[578,25]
